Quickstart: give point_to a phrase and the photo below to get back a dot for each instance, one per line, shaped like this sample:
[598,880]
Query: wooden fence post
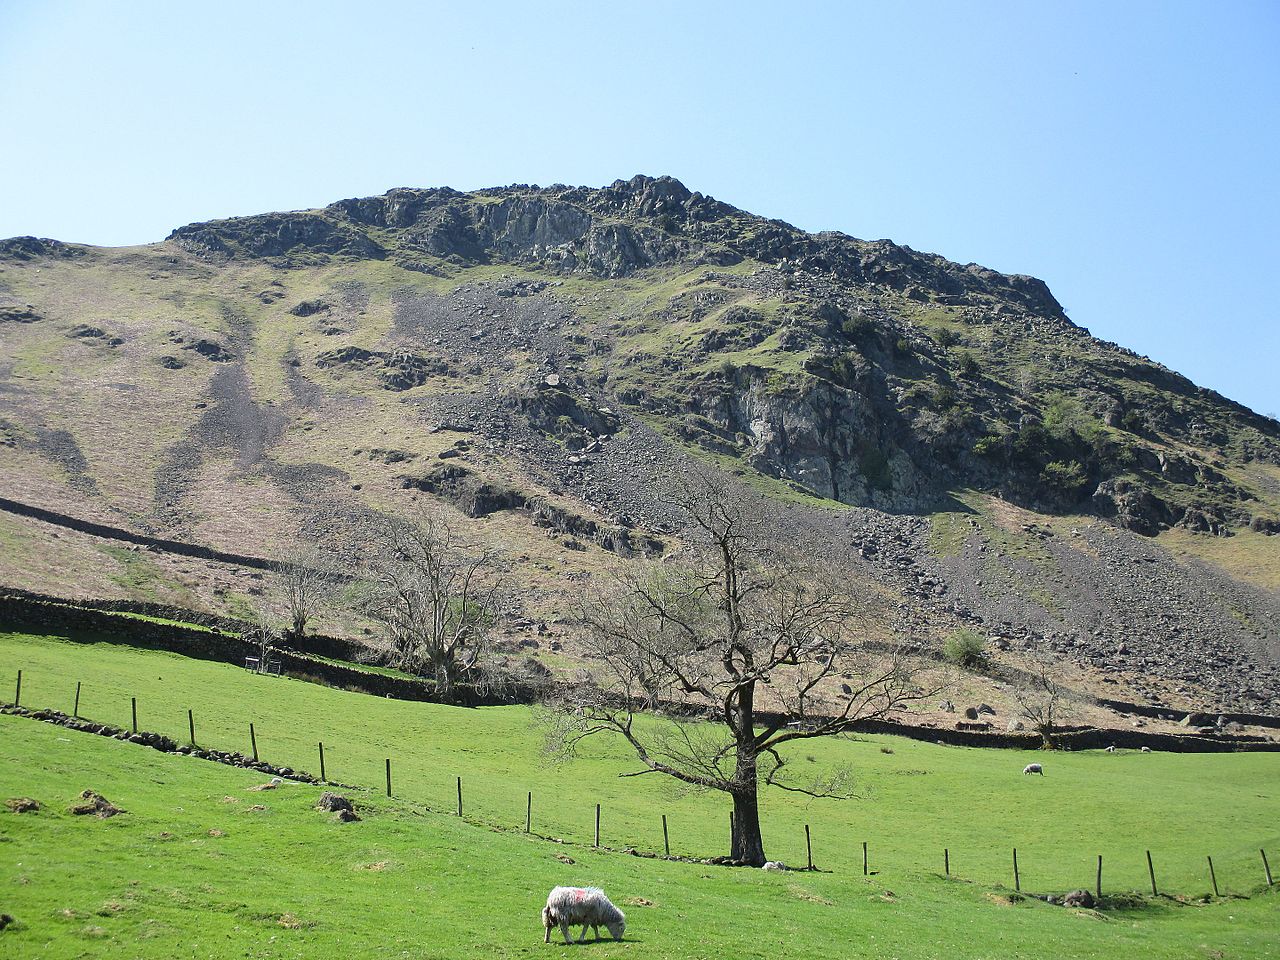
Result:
[1266,866]
[323,778]
[75,711]
[1017,880]
[1097,889]
[134,703]
[191,726]
[459,796]
[253,740]
[388,776]
[946,861]
[808,846]
[597,824]
[17,693]
[666,841]
[528,814]
[864,858]
[1152,870]
[1213,877]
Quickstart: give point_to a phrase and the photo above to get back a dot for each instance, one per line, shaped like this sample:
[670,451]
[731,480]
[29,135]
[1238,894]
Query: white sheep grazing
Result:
[1111,749]
[1033,768]
[1146,749]
[588,906]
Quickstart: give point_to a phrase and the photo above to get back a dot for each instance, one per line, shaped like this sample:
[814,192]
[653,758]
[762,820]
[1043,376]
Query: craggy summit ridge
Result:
[609,232]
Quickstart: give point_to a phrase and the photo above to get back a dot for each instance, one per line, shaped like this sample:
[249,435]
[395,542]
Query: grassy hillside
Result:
[199,865]
[157,874]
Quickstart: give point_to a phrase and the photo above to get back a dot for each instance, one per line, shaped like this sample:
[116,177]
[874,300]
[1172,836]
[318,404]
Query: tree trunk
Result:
[746,844]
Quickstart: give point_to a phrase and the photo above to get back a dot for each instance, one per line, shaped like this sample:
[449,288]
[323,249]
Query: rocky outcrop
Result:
[1132,507]
[607,232]
[31,248]
[276,235]
[478,497]
[25,314]
[396,369]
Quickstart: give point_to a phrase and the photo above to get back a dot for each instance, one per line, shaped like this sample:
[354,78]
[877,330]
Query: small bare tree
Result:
[304,579]
[703,638]
[1044,702]
[264,634]
[436,595]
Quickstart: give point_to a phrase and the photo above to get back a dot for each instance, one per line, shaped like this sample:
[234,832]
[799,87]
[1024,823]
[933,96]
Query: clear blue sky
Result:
[1125,152]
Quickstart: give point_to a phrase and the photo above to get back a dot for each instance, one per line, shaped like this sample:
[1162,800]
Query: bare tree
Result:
[1043,702]
[265,635]
[436,595]
[304,579]
[702,637]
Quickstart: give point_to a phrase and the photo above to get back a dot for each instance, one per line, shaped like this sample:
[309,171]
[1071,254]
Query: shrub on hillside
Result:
[858,327]
[1068,478]
[964,648]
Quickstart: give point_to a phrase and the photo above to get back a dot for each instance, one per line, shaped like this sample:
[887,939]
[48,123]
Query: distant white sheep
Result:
[1033,768]
[1146,749]
[1111,749]
[588,906]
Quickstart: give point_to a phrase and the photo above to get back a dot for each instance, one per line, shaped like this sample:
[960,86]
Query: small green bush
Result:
[946,337]
[857,327]
[1135,422]
[967,364]
[844,368]
[964,648]
[989,446]
[1065,477]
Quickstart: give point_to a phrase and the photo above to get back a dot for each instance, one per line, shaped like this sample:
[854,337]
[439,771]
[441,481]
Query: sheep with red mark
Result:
[585,906]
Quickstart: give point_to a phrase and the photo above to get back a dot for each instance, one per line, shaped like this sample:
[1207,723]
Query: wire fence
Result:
[371,782]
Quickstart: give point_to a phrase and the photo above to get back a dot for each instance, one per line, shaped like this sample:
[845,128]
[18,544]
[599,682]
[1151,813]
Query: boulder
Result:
[1132,507]
[96,804]
[1078,898]
[309,308]
[334,802]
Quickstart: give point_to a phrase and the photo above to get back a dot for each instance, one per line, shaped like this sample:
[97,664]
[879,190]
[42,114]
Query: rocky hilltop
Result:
[537,356]
[916,373]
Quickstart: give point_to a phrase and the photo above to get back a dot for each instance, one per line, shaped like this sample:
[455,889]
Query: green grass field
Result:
[414,880]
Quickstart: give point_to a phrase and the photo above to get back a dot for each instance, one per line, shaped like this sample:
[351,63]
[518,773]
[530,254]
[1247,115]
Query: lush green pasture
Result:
[155,883]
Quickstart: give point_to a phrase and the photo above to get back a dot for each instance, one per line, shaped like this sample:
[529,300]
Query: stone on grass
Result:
[94,803]
[1078,898]
[333,802]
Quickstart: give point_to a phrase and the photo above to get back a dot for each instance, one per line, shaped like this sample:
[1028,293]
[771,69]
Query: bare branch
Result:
[436,595]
